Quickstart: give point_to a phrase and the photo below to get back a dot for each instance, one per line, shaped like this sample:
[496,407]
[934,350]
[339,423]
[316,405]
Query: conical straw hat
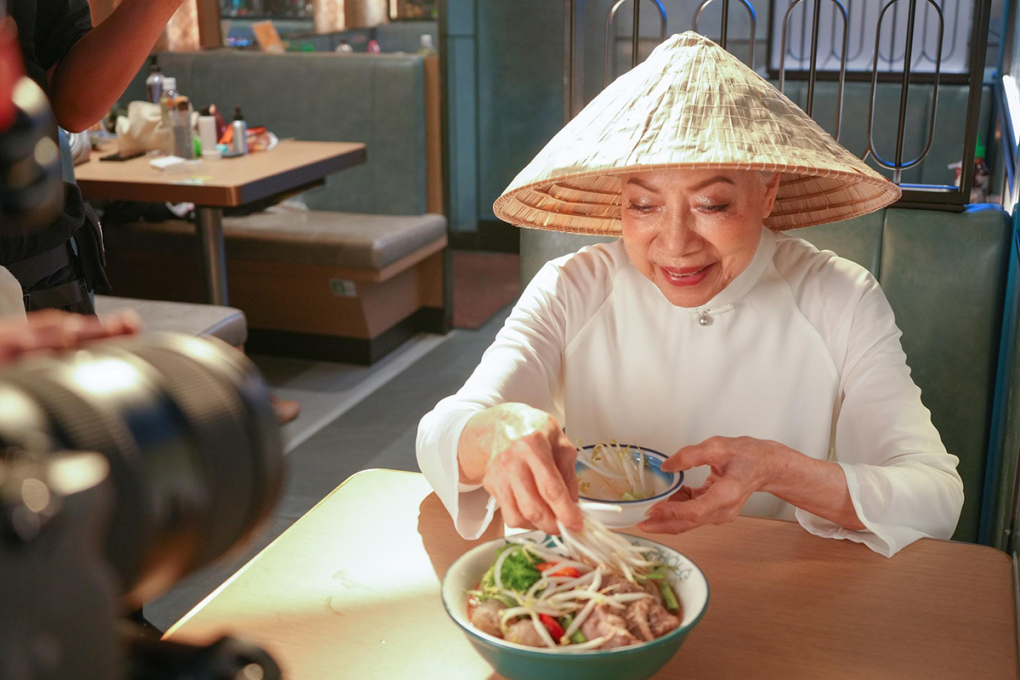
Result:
[691,104]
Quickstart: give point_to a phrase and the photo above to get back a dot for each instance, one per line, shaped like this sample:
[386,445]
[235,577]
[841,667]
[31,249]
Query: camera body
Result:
[59,595]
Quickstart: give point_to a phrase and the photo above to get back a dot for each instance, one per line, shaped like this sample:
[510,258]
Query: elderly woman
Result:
[773,370]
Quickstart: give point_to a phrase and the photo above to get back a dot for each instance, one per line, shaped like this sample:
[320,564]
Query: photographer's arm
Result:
[89,80]
[55,330]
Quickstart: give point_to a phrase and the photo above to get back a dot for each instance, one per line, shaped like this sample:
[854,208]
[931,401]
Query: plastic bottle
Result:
[154,83]
[979,187]
[166,99]
[240,128]
[184,138]
[427,48]
[373,47]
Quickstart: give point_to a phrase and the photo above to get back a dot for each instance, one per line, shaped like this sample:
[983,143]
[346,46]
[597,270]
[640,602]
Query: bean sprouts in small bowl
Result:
[620,483]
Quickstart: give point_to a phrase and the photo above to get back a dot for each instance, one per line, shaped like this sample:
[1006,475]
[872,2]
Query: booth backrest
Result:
[375,99]
[945,277]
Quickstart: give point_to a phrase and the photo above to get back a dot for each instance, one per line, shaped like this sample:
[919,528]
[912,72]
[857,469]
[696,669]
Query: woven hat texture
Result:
[691,104]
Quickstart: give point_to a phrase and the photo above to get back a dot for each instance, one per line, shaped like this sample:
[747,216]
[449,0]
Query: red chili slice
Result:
[553,626]
[568,572]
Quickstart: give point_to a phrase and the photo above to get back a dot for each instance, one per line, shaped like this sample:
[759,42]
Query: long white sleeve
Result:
[522,365]
[801,348]
[902,482]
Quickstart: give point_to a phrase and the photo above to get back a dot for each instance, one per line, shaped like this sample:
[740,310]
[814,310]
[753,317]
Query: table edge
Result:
[208,598]
[356,155]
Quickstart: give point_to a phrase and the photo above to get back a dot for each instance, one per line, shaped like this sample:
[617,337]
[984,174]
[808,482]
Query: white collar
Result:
[745,280]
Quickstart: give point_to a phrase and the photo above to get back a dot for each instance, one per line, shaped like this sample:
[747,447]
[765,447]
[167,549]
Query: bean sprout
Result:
[589,555]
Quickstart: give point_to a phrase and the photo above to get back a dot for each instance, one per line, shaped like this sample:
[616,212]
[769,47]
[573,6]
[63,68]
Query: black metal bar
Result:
[924,199]
[782,44]
[573,54]
[636,35]
[752,17]
[609,51]
[832,41]
[725,23]
[976,66]
[901,126]
[923,78]
[898,166]
[607,67]
[803,37]
[935,92]
[663,21]
[874,90]
[864,22]
[754,31]
[842,68]
[568,57]
[813,67]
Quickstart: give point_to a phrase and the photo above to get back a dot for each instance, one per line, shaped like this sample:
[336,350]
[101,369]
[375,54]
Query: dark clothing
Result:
[47,30]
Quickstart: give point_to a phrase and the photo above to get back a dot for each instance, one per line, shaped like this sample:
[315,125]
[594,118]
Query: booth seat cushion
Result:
[226,323]
[332,239]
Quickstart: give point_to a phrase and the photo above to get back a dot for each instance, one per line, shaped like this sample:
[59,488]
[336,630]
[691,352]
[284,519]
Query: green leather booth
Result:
[945,275]
[369,226]
[1002,512]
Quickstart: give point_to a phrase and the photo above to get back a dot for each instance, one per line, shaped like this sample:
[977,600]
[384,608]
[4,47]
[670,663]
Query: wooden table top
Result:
[225,183]
[352,590]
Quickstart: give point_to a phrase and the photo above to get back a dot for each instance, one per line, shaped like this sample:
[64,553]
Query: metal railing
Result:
[945,24]
[900,41]
[725,24]
[635,51]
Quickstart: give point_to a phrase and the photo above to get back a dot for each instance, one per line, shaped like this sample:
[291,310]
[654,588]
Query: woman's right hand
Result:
[521,456]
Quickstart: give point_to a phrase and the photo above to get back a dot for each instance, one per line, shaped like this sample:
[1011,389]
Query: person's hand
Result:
[526,463]
[740,466]
[55,330]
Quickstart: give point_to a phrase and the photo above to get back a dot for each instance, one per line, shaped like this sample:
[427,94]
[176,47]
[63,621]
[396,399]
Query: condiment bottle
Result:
[154,83]
[240,128]
[184,142]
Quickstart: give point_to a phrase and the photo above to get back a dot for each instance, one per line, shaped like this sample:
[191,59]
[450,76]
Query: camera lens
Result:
[194,448]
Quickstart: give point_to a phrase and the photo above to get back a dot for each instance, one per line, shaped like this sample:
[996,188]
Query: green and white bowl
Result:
[518,662]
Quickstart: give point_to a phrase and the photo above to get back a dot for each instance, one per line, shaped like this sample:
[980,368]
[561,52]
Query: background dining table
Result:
[213,185]
[352,591]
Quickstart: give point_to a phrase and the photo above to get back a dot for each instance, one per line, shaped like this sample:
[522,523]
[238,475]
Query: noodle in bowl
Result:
[520,662]
[620,483]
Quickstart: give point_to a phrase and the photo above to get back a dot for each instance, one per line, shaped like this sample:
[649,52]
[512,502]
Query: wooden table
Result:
[214,185]
[352,591]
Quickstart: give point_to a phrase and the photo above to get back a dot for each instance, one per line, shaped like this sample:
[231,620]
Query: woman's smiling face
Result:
[691,232]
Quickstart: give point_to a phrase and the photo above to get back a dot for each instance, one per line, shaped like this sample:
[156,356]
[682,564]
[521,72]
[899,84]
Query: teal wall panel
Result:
[520,89]
[461,132]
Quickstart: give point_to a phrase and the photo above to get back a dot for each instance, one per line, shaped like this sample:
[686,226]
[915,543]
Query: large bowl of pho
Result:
[619,483]
[592,605]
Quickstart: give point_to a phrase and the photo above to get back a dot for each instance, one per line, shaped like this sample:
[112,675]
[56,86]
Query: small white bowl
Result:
[623,514]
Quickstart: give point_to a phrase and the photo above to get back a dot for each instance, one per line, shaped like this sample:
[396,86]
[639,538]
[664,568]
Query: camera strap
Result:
[71,296]
[32,270]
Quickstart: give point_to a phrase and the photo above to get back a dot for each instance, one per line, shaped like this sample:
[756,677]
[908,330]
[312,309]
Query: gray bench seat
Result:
[226,323]
[330,239]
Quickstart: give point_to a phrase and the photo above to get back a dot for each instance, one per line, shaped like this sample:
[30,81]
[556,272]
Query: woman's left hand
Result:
[740,466]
